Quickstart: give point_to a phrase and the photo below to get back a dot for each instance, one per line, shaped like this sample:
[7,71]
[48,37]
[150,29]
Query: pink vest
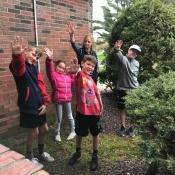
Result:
[61,84]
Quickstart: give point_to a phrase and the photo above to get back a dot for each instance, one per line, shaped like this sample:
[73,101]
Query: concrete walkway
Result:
[13,163]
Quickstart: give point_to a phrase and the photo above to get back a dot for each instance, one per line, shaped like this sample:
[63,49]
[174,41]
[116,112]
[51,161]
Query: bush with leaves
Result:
[151,110]
[151,25]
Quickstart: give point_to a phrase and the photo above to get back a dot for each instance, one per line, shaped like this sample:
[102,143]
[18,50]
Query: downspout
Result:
[36,30]
[90,16]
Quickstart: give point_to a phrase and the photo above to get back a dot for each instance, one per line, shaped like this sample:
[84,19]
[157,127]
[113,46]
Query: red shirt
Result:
[86,89]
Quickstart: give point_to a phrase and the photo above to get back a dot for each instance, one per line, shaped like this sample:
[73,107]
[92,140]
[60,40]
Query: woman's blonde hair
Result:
[92,41]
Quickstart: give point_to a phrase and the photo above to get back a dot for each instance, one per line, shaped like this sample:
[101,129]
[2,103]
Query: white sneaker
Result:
[71,136]
[34,160]
[46,157]
[58,138]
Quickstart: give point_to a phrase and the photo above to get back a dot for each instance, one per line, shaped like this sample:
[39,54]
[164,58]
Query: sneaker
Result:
[71,136]
[131,132]
[34,160]
[58,138]
[76,157]
[46,157]
[122,131]
[94,163]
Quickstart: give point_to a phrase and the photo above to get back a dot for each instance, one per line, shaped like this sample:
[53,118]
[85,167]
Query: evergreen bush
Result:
[151,25]
[151,109]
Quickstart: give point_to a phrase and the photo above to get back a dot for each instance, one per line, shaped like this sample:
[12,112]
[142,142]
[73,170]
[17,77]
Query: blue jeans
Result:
[59,114]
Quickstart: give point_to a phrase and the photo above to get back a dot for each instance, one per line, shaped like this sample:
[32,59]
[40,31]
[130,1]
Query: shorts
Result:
[84,123]
[32,120]
[120,99]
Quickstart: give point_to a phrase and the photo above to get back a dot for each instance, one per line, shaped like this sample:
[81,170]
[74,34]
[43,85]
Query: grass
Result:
[112,149]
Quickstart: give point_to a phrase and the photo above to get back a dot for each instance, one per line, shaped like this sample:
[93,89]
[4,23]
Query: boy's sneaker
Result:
[94,163]
[122,131]
[71,136]
[76,157]
[58,138]
[131,132]
[46,157]
[34,160]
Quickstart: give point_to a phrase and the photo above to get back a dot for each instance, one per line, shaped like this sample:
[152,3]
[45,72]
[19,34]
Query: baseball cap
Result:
[136,47]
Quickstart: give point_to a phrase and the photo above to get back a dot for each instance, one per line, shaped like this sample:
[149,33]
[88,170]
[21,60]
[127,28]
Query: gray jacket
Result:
[128,70]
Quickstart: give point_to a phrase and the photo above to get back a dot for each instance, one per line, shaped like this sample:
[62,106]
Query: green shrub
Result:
[151,25]
[100,55]
[151,110]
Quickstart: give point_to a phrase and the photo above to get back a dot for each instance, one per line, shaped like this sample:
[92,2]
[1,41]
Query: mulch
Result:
[111,125]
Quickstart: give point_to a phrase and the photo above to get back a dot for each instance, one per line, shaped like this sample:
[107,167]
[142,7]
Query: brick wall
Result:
[17,19]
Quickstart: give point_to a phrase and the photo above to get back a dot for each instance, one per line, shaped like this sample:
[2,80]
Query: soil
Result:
[111,125]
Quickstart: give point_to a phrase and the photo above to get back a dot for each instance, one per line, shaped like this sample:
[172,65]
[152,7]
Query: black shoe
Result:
[122,131]
[94,163]
[76,157]
[131,132]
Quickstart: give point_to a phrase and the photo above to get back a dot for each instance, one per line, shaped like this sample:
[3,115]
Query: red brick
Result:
[12,162]
[6,4]
[14,108]
[13,120]
[3,149]
[5,119]
[4,111]
[9,157]
[10,106]
[42,172]
[57,31]
[6,127]
[23,167]
[3,131]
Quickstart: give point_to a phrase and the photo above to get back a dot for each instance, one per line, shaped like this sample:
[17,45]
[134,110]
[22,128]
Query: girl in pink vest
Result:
[61,92]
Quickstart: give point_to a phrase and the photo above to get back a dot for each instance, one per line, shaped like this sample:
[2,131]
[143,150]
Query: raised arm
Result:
[78,50]
[49,62]
[18,58]
[74,67]
[117,50]
[118,45]
[71,29]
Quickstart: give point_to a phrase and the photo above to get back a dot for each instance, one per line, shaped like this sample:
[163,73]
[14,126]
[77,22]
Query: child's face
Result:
[87,43]
[132,53]
[87,67]
[31,56]
[60,68]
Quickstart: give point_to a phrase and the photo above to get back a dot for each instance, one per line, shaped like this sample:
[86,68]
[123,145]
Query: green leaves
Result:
[151,110]
[151,25]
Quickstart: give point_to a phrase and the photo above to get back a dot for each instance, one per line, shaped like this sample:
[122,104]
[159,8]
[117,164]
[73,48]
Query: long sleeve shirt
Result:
[80,52]
[30,85]
[128,70]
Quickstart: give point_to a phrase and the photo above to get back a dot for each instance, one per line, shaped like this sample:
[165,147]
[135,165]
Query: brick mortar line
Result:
[14,163]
